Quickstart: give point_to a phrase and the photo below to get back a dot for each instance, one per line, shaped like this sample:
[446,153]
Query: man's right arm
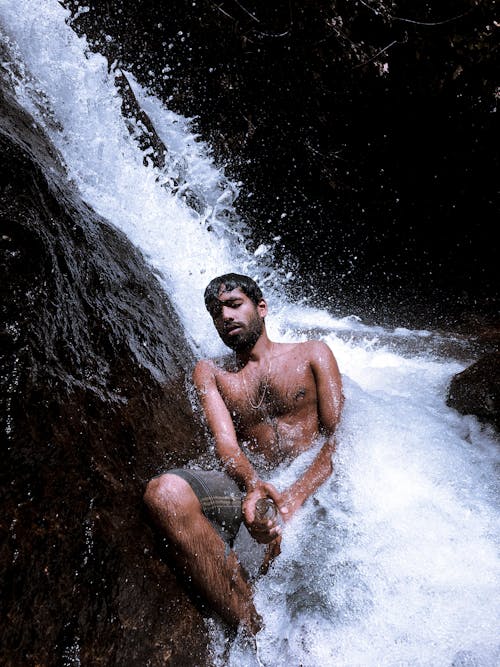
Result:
[233,459]
[221,425]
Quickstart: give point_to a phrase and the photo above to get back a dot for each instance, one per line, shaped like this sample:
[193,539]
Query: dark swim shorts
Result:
[219,496]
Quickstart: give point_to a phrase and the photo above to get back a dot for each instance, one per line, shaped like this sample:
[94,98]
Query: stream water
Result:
[395,561]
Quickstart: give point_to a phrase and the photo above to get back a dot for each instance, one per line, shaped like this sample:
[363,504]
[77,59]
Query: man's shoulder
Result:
[308,349]
[204,364]
[213,366]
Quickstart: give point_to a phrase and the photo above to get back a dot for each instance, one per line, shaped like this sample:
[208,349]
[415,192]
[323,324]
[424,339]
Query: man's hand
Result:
[288,503]
[262,532]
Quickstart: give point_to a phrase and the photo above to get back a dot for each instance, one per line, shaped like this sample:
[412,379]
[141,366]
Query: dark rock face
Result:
[93,404]
[476,390]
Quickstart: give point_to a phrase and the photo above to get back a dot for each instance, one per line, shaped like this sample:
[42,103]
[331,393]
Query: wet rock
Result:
[148,138]
[476,390]
[93,402]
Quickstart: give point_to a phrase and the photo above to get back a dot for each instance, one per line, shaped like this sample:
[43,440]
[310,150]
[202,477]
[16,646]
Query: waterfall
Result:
[396,560]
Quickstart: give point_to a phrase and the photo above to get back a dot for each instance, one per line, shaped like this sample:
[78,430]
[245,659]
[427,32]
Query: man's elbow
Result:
[226,448]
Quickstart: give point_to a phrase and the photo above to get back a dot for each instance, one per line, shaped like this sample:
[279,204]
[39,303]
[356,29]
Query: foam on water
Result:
[395,561]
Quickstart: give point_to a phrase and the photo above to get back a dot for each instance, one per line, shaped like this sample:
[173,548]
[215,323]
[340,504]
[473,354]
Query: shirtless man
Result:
[271,399]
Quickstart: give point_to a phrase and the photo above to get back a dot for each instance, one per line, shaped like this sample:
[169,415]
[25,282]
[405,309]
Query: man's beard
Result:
[248,336]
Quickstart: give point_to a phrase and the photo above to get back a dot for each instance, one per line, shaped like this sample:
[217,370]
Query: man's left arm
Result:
[330,400]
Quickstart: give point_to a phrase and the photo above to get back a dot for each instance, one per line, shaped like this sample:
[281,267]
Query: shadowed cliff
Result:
[93,397]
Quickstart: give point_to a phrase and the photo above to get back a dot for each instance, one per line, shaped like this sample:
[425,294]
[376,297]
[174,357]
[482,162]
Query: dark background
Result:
[364,134]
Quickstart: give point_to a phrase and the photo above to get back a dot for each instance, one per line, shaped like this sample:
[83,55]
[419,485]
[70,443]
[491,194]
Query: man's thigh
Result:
[219,496]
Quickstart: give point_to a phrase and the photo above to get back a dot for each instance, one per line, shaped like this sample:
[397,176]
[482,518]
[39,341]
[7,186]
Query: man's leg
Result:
[200,551]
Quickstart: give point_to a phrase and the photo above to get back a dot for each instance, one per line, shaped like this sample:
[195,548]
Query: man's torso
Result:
[274,406]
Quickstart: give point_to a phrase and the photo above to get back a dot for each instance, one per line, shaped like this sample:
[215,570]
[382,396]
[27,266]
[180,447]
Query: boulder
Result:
[93,403]
[476,390]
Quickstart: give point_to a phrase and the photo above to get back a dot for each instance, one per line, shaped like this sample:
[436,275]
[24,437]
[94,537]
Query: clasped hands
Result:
[268,531]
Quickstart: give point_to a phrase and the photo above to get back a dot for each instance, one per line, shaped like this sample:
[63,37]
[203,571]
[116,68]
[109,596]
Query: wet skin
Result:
[273,398]
[270,398]
[286,421]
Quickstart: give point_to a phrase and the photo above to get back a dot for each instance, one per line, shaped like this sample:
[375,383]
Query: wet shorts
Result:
[219,496]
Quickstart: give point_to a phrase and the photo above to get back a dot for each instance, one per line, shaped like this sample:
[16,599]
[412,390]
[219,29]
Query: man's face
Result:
[239,322]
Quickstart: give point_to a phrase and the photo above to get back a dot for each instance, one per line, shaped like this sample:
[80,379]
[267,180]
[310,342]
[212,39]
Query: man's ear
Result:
[262,308]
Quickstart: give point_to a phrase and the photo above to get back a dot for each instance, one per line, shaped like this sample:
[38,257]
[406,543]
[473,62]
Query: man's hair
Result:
[232,281]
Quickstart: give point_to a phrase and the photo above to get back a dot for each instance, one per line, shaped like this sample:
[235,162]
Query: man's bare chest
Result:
[278,391]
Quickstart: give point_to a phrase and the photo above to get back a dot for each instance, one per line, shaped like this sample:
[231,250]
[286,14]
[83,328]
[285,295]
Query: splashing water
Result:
[71,92]
[395,560]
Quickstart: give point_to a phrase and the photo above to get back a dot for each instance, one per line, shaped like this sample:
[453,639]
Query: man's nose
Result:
[227,314]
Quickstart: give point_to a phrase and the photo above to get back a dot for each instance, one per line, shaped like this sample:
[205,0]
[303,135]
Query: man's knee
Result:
[170,495]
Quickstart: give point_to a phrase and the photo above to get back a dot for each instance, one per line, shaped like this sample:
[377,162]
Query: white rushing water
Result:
[396,560]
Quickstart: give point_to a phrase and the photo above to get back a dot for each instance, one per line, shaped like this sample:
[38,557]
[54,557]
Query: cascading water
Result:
[395,561]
